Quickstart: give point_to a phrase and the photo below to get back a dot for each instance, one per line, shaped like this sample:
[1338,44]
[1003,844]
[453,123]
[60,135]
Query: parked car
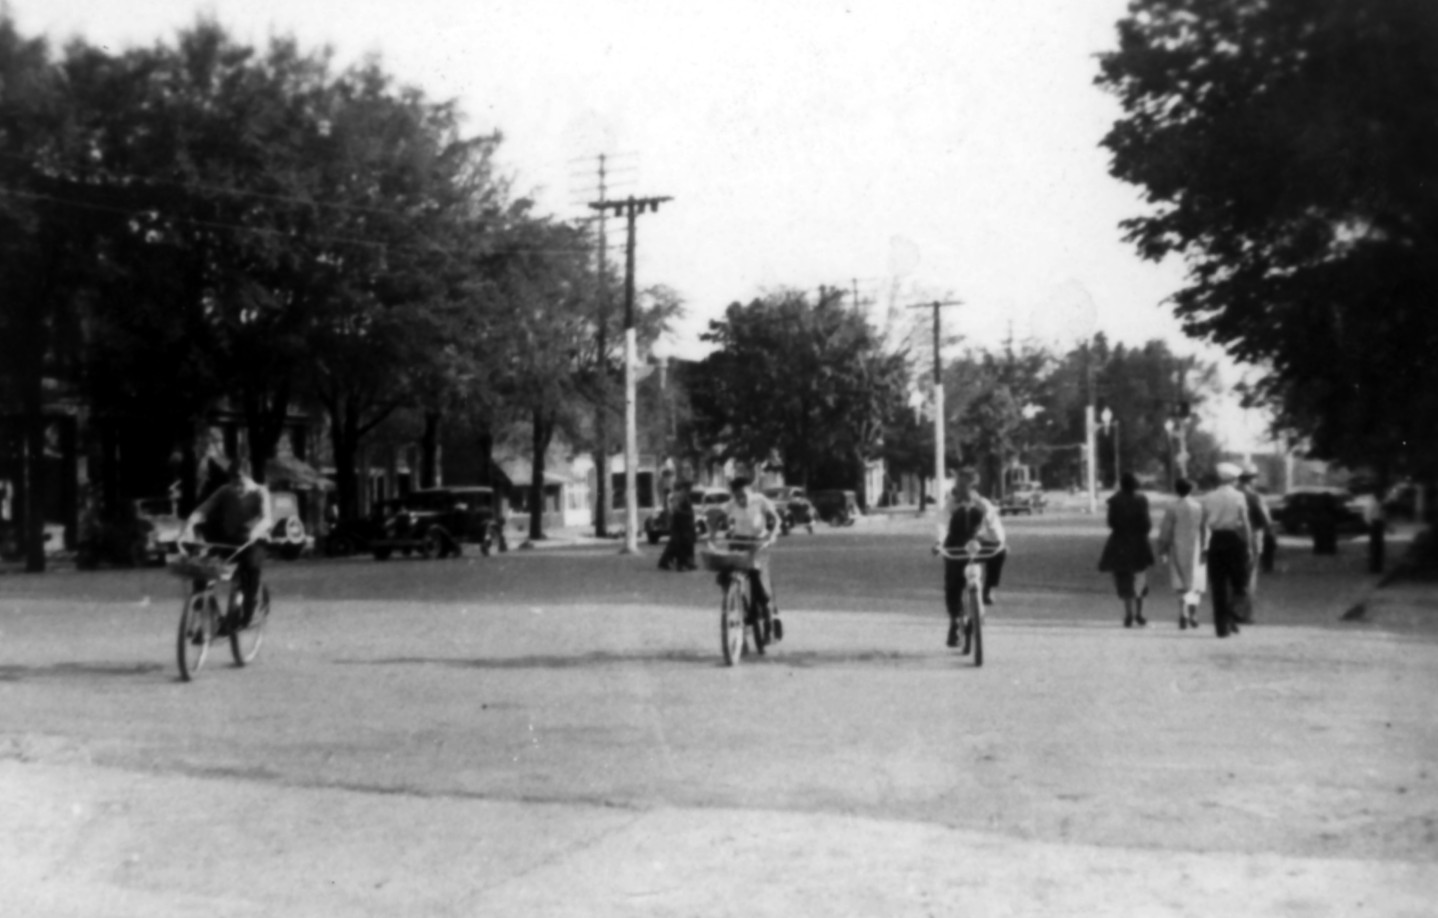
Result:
[351,536]
[794,508]
[1023,499]
[288,538]
[709,512]
[437,522]
[161,525]
[1296,511]
[837,508]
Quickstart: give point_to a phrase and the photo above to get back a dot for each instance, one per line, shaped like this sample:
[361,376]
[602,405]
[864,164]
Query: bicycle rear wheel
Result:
[245,641]
[197,629]
[976,624]
[731,622]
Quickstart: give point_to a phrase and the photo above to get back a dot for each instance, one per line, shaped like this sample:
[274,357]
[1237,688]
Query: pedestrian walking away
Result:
[1261,523]
[1127,554]
[1229,542]
[1182,541]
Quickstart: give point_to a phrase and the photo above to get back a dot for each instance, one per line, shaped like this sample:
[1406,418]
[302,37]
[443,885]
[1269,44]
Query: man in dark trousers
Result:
[1229,544]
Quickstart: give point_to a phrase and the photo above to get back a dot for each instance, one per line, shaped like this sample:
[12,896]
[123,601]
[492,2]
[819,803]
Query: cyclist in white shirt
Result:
[754,523]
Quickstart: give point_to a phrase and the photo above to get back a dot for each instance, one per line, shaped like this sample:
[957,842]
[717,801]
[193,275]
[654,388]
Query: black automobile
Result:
[794,508]
[837,508]
[1296,512]
[437,522]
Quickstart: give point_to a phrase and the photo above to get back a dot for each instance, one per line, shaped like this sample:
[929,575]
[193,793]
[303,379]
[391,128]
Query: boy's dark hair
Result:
[1183,487]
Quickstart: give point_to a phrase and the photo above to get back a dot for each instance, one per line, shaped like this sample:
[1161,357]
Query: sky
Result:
[914,149]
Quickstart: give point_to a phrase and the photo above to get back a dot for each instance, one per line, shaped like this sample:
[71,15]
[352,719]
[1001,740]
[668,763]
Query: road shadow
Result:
[87,671]
[596,659]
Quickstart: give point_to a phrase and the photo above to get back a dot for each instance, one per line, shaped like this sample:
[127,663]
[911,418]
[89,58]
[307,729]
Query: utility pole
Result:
[1090,430]
[630,208]
[601,425]
[938,405]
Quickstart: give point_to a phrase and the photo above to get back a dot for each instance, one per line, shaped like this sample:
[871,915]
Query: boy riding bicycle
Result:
[238,514]
[971,518]
[753,526]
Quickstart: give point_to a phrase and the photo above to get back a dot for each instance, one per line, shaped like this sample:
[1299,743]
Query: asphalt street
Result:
[553,732]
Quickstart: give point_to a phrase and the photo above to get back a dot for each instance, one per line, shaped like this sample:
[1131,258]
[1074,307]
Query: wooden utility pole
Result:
[939,476]
[630,208]
[601,422]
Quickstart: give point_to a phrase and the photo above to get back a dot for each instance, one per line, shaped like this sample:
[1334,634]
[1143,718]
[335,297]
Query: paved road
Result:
[550,732]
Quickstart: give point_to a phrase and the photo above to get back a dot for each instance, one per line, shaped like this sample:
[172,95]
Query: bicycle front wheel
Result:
[197,629]
[731,622]
[245,640]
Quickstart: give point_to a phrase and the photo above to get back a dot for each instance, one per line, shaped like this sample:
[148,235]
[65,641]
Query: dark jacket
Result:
[1127,550]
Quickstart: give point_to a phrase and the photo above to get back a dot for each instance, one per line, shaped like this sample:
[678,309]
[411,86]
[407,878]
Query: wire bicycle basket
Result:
[207,569]
[720,561]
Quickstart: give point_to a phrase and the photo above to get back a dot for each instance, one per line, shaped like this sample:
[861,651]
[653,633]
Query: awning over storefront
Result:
[289,472]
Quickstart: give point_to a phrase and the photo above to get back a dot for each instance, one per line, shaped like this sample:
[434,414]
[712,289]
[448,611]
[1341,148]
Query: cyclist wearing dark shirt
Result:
[237,514]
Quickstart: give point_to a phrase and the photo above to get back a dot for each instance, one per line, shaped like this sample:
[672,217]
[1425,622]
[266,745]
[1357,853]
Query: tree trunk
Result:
[344,443]
[429,451]
[542,430]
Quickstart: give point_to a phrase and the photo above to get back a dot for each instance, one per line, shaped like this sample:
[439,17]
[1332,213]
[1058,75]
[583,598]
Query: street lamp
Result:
[1108,419]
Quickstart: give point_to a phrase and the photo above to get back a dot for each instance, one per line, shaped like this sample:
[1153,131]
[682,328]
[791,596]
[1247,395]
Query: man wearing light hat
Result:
[1260,522]
[1228,548]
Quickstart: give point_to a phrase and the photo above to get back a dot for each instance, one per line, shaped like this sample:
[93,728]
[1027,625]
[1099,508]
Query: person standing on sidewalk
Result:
[1127,554]
[1230,539]
[1261,523]
[679,553]
[1182,541]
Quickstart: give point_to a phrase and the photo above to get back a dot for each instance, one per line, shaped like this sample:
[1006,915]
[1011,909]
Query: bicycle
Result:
[736,610]
[200,618]
[974,554]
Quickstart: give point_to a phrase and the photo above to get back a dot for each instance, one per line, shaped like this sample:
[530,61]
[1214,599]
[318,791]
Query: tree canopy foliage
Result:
[1286,150]
[797,381]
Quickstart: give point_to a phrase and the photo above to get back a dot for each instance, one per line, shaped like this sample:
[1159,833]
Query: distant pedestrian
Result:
[1229,542]
[1127,554]
[1182,542]
[1260,523]
[679,553]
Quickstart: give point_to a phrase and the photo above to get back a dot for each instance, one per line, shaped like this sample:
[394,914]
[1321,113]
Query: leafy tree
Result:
[797,381]
[1285,148]
[44,257]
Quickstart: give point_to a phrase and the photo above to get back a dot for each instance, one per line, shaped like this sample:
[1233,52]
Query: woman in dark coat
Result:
[1127,554]
[679,553]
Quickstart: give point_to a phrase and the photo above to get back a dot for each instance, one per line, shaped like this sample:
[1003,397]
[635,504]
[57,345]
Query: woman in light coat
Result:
[1183,542]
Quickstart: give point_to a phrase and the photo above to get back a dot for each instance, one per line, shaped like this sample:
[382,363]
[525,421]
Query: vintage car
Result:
[1023,499]
[288,538]
[1295,513]
[437,522]
[794,508]
[837,508]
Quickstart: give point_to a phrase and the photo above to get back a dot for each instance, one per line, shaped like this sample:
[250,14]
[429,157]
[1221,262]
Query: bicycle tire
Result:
[245,642]
[976,623]
[197,630]
[731,622]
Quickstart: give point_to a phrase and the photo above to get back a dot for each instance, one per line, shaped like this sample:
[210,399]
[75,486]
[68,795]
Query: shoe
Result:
[953,639]
[1183,623]
[778,629]
[1193,619]
[1140,621]
[1233,627]
[1128,621]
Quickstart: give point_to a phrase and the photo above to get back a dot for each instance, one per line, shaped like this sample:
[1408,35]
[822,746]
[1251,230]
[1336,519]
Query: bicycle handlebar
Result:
[234,550]
[970,552]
